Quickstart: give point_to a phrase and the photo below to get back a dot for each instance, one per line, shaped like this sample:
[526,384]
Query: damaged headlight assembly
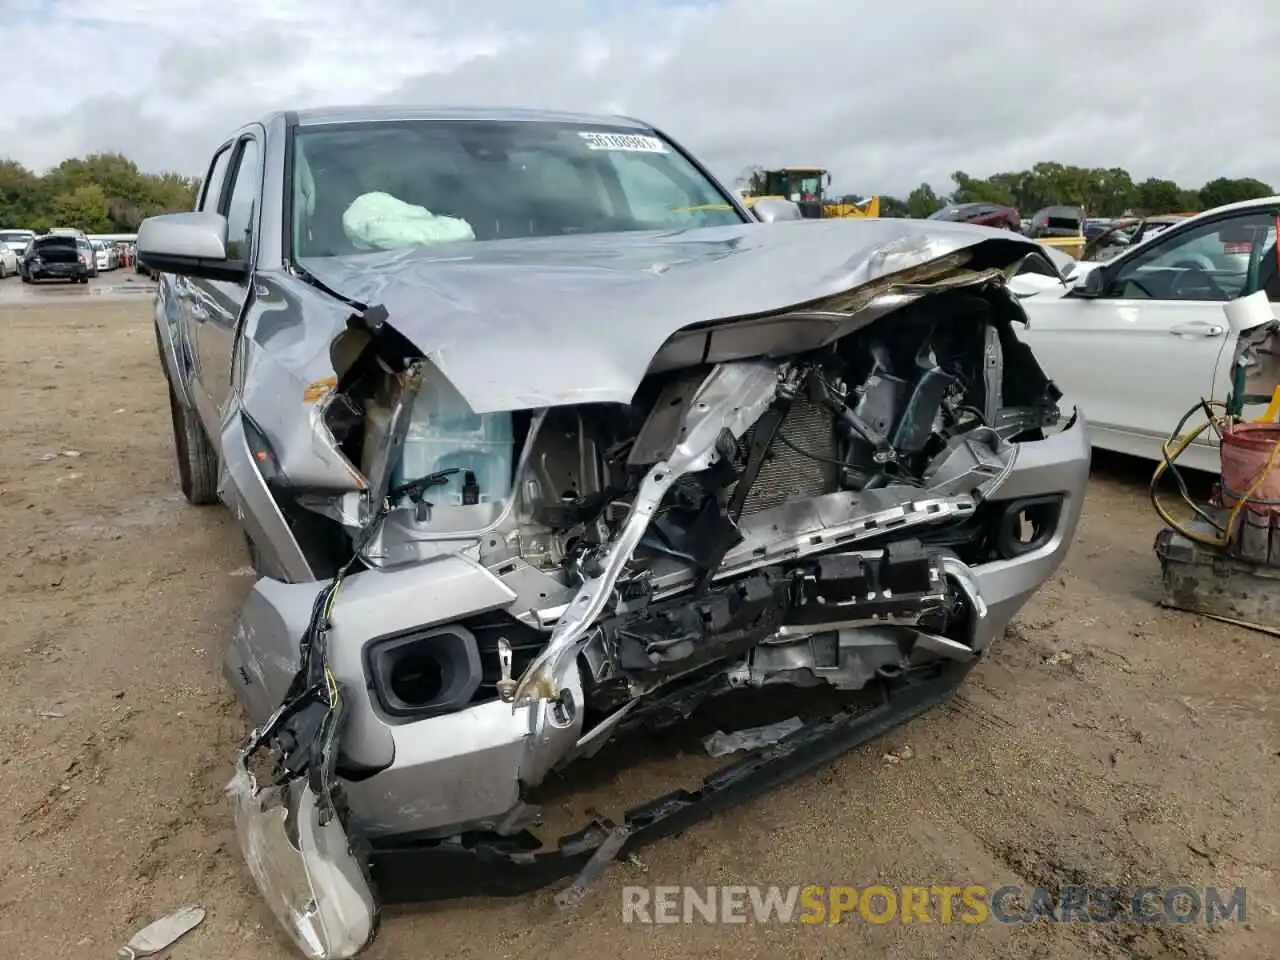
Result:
[291,826]
[304,867]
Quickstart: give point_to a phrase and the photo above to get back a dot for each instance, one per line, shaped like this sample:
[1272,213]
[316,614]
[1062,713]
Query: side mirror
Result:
[1092,284]
[189,245]
[772,209]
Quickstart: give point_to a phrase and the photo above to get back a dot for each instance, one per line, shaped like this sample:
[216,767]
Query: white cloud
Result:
[886,96]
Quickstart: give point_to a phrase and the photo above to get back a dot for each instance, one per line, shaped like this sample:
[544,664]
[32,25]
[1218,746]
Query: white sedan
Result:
[8,261]
[1138,340]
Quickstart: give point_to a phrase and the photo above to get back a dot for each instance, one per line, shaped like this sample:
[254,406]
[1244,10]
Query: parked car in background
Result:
[980,214]
[1095,226]
[1127,233]
[528,463]
[58,257]
[104,255]
[16,240]
[1057,221]
[1138,340]
[87,253]
[8,262]
[1059,226]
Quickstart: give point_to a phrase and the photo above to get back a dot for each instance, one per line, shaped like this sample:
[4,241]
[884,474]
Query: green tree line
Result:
[100,193]
[1101,191]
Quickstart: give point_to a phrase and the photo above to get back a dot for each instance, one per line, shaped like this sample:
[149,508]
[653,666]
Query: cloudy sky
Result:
[885,95]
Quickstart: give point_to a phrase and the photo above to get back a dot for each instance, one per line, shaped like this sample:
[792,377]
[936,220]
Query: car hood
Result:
[525,323]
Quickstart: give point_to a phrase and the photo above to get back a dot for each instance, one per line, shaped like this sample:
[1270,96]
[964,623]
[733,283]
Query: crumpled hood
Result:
[526,323]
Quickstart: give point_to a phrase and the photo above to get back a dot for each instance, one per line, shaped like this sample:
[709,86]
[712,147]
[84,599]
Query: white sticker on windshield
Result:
[633,142]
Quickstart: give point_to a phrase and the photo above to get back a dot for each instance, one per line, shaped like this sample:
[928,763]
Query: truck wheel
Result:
[197,461]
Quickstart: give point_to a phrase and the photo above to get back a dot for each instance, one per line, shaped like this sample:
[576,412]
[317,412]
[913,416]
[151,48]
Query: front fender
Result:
[169,342]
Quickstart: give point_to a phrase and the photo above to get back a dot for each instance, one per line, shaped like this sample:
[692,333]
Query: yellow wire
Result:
[1173,448]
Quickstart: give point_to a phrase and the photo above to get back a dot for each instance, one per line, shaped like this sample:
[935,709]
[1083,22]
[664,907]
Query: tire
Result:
[25,278]
[4,271]
[84,279]
[197,461]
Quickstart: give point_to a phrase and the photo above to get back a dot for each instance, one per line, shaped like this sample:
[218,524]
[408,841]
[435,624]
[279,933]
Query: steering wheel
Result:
[1194,277]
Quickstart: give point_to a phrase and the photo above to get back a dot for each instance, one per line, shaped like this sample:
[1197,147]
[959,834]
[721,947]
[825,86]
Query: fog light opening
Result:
[1028,525]
[416,678]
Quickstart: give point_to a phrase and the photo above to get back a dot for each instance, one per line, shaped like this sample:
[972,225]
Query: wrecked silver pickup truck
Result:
[540,440]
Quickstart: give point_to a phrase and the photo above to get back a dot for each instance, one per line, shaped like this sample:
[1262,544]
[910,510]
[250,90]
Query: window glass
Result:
[1269,268]
[213,182]
[369,183]
[240,207]
[1208,262]
[653,195]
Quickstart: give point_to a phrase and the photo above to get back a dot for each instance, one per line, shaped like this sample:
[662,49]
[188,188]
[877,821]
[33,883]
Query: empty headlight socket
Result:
[423,673]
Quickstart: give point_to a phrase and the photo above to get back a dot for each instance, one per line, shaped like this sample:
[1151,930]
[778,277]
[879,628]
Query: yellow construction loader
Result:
[804,187]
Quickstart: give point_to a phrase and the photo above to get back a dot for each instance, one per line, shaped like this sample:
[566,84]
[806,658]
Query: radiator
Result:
[788,475]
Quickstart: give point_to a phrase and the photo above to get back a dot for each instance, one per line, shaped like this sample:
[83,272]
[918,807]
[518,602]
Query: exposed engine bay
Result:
[523,587]
[684,529]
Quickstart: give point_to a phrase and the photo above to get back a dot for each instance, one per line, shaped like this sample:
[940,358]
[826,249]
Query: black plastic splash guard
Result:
[414,872]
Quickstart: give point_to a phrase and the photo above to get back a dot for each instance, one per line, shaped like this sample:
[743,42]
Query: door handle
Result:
[1198,329]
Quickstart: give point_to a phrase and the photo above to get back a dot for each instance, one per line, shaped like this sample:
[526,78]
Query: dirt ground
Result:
[1106,742]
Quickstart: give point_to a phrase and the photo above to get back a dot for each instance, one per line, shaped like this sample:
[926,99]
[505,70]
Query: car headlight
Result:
[304,870]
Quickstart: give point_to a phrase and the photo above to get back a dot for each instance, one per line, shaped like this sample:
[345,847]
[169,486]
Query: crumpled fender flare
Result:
[171,353]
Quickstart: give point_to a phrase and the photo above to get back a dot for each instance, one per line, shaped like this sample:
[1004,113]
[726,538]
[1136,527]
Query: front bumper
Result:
[461,773]
[43,271]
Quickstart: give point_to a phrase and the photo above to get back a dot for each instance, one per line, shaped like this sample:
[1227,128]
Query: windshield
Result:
[14,236]
[389,185]
[54,241]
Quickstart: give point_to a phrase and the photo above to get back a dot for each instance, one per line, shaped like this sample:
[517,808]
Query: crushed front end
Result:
[856,496]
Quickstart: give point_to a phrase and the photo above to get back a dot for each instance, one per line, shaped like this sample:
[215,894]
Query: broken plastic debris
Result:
[71,453]
[48,456]
[151,939]
[897,756]
[721,744]
[609,848]
[1062,656]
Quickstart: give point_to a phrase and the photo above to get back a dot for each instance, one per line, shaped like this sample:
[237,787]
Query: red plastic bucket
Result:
[1246,448]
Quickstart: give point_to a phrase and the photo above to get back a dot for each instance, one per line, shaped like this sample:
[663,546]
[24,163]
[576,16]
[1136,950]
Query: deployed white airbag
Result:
[379,221]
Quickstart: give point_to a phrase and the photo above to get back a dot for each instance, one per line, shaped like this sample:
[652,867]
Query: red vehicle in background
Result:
[981,214]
